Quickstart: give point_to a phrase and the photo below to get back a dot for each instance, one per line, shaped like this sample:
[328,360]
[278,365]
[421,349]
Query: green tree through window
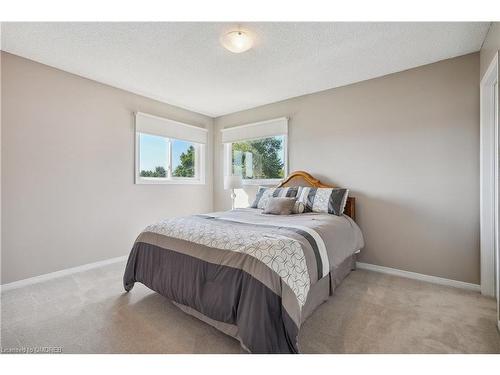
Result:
[186,168]
[259,159]
[158,172]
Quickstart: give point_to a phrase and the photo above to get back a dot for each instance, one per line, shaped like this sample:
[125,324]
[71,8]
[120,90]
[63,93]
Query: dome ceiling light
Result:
[237,41]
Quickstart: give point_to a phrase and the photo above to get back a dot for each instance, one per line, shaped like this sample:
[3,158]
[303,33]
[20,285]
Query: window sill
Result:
[154,181]
[273,182]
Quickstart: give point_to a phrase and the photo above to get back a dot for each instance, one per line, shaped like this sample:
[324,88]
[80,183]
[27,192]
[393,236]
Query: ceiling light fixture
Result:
[237,41]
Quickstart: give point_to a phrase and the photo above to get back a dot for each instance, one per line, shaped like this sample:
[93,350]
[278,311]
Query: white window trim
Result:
[199,166]
[488,180]
[270,181]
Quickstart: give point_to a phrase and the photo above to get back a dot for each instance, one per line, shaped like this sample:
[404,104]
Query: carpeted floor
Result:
[369,313]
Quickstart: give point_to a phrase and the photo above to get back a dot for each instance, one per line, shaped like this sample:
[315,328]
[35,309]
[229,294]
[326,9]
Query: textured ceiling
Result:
[184,64]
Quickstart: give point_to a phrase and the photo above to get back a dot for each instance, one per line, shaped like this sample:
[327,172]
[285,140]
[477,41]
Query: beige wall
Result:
[68,193]
[490,47]
[407,145]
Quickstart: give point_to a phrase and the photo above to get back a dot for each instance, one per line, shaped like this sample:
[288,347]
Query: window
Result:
[162,158]
[257,152]
[183,159]
[153,156]
[259,159]
[167,160]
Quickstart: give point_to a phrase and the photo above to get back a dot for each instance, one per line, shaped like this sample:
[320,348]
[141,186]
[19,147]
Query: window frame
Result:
[199,164]
[228,158]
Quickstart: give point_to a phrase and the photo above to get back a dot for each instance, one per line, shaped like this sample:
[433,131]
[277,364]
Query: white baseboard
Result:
[360,265]
[419,276]
[55,275]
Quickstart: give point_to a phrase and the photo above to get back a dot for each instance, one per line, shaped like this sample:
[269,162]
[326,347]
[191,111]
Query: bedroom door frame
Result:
[489,177]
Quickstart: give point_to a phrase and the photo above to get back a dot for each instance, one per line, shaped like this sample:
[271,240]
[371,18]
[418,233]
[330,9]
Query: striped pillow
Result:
[264,193]
[330,200]
[298,208]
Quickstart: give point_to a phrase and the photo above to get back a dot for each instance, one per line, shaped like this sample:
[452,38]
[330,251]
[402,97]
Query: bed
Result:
[255,277]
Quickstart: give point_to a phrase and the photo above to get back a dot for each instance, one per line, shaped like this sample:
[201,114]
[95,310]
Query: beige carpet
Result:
[369,313]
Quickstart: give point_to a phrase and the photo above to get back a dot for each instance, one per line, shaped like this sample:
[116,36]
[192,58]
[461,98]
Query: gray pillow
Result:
[264,193]
[279,206]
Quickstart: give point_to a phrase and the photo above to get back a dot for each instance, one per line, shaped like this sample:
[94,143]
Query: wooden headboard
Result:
[301,178]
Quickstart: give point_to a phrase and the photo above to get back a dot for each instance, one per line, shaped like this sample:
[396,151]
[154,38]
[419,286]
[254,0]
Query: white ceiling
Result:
[184,64]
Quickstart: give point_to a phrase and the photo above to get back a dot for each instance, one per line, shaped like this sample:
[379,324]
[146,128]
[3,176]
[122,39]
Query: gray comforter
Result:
[243,268]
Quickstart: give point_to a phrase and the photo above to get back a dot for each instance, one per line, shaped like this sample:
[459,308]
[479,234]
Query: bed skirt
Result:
[318,294]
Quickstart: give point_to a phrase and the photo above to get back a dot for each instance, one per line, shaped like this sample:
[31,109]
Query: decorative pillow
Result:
[331,200]
[279,206]
[264,193]
[298,207]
